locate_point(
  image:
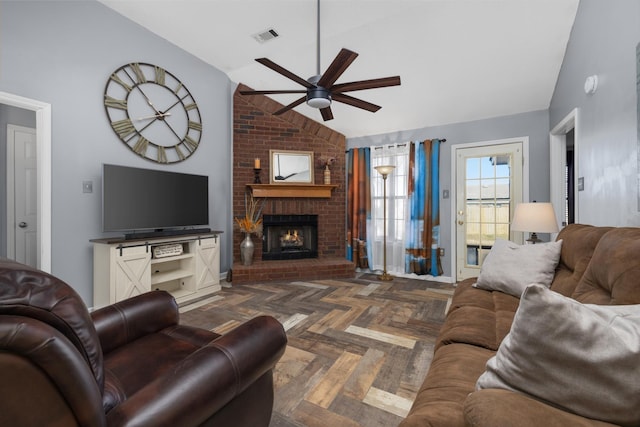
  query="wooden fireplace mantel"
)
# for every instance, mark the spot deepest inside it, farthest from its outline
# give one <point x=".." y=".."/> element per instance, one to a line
<point x="292" y="190"/>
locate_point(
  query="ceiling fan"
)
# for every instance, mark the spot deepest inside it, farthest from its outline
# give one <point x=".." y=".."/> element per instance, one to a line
<point x="321" y="89"/>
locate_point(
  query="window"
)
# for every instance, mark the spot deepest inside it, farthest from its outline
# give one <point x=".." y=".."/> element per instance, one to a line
<point x="397" y="205"/>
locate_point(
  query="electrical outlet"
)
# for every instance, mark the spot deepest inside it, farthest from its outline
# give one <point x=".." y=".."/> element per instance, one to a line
<point x="441" y="251"/>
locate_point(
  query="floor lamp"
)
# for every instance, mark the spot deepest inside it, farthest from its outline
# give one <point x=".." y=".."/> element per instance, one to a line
<point x="384" y="171"/>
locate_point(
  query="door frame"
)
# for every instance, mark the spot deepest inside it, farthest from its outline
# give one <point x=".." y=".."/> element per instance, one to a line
<point x="454" y="196"/>
<point x="43" y="147"/>
<point x="557" y="164"/>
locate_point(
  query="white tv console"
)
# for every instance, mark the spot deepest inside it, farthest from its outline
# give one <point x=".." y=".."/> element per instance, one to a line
<point x="125" y="268"/>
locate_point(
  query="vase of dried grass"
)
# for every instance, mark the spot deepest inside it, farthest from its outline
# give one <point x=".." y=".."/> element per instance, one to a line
<point x="246" y="250"/>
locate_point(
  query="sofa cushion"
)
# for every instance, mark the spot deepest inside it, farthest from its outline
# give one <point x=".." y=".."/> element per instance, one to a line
<point x="510" y="267"/>
<point x="465" y="294"/>
<point x="451" y="377"/>
<point x="613" y="274"/>
<point x="478" y="317"/>
<point x="128" y="369"/>
<point x="578" y="244"/>
<point x="582" y="358"/>
<point x="499" y="408"/>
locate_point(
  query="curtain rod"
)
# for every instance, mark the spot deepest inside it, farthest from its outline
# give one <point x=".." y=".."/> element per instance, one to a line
<point x="378" y="147"/>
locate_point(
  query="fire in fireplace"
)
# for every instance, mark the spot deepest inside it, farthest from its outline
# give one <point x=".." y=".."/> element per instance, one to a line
<point x="289" y="237"/>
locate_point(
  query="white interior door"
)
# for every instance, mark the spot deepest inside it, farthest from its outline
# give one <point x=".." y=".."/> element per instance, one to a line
<point x="42" y="111"/>
<point x="22" y="198"/>
<point x="488" y="186"/>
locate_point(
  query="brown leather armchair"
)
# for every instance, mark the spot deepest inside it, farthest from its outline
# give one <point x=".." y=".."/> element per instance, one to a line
<point x="128" y="364"/>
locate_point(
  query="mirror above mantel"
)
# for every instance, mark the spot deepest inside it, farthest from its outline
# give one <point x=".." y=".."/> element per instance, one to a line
<point x="292" y="190"/>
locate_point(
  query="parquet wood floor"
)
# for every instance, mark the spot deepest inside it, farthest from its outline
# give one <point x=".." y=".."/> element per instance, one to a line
<point x="358" y="348"/>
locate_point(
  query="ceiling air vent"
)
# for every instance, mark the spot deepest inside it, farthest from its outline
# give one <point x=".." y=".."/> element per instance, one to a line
<point x="266" y="35"/>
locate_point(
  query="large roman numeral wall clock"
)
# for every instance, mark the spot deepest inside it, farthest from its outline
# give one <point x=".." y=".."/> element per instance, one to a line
<point x="153" y="113"/>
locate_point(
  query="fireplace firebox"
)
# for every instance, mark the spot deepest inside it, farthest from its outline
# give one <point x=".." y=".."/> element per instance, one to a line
<point x="289" y="237"/>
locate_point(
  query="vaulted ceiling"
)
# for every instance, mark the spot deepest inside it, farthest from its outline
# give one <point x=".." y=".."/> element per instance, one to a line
<point x="459" y="60"/>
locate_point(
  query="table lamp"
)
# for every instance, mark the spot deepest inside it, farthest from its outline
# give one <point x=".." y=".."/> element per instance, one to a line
<point x="534" y="218"/>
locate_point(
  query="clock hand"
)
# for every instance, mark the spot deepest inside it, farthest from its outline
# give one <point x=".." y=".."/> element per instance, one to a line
<point x="148" y="100"/>
<point x="152" y="122"/>
<point x="161" y="117"/>
<point x="166" y="112"/>
<point x="155" y="116"/>
<point x="284" y="178"/>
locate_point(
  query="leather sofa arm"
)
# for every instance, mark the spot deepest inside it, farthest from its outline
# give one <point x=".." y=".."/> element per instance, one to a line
<point x="504" y="408"/>
<point x="130" y="319"/>
<point x="207" y="380"/>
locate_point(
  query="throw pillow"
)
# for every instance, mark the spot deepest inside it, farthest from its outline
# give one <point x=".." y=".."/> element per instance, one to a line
<point x="510" y="267"/>
<point x="581" y="358"/>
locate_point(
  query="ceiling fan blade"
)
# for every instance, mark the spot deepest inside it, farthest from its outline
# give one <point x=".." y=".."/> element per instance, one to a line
<point x="290" y="106"/>
<point x="269" y="92"/>
<point x="355" y="102"/>
<point x="344" y="58"/>
<point x="366" y="84"/>
<point x="327" y="114"/>
<point x="278" y="69"/>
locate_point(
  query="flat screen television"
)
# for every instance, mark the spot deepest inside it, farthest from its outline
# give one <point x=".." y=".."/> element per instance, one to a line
<point x="153" y="202"/>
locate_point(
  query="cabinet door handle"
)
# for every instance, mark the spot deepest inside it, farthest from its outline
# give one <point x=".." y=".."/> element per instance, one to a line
<point x="23" y="225"/>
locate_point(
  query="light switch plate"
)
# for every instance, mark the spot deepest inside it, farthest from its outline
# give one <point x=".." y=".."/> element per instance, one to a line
<point x="581" y="183"/>
<point x="87" y="186"/>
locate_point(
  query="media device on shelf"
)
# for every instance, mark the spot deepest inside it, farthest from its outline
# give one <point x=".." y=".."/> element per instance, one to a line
<point x="146" y="203"/>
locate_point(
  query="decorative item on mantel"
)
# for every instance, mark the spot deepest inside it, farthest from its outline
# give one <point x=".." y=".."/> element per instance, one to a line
<point x="250" y="224"/>
<point x="256" y="171"/>
<point x="324" y="163"/>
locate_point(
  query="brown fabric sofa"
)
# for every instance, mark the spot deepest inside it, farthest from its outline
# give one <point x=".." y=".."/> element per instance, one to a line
<point x="598" y="265"/>
<point x="128" y="364"/>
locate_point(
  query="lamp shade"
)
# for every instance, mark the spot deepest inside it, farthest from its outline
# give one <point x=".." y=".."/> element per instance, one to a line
<point x="385" y="169"/>
<point x="534" y="217"/>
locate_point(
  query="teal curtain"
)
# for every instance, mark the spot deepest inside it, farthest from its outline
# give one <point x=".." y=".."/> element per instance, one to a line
<point x="358" y="205"/>
<point x="423" y="230"/>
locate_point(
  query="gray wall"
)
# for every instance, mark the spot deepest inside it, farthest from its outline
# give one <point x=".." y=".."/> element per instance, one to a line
<point x="534" y="125"/>
<point x="62" y="53"/>
<point x="603" y="42"/>
<point x="9" y="116"/>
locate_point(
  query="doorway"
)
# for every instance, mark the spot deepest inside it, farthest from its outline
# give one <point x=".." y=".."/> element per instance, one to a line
<point x="489" y="181"/>
<point x="43" y="165"/>
<point x="563" y="160"/>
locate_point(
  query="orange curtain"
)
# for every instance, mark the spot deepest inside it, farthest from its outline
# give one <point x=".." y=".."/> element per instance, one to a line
<point x="358" y="204"/>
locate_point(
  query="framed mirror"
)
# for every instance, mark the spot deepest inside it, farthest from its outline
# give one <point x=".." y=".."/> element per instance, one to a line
<point x="290" y="167"/>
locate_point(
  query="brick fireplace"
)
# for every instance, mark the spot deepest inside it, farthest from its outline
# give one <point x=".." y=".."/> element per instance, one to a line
<point x="289" y="237"/>
<point x="256" y="131"/>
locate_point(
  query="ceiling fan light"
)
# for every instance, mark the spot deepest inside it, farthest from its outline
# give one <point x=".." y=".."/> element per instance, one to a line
<point x="319" y="102"/>
<point x="318" y="97"/>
